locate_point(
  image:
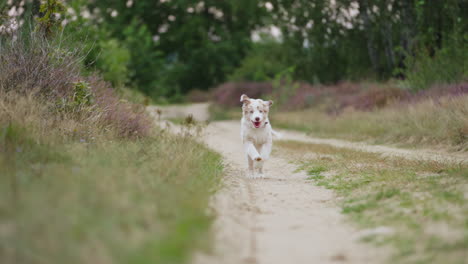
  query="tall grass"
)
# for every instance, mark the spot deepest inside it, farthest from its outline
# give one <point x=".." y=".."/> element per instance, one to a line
<point x="429" y="122"/>
<point x="84" y="176"/>
<point x="33" y="65"/>
<point x="103" y="201"/>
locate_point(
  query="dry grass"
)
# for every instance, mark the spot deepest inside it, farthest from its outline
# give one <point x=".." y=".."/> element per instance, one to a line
<point x="73" y="191"/>
<point x="424" y="204"/>
<point x="442" y="122"/>
<point x="84" y="178"/>
<point x="46" y="69"/>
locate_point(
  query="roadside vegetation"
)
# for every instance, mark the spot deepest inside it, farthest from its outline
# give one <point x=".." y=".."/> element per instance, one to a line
<point x="85" y="176"/>
<point x="432" y="123"/>
<point x="418" y="208"/>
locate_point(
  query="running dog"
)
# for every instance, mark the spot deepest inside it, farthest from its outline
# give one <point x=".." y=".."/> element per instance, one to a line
<point x="256" y="133"/>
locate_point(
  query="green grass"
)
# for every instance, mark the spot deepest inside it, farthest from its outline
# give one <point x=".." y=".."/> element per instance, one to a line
<point x="425" y="203"/>
<point x="77" y="193"/>
<point x="426" y="124"/>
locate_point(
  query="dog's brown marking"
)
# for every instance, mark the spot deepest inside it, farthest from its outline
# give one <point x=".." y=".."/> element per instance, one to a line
<point x="245" y="99"/>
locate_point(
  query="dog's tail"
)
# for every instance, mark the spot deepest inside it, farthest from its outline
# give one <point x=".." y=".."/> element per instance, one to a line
<point x="276" y="135"/>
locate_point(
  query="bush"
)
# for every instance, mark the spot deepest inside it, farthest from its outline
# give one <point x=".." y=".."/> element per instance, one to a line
<point x="33" y="64"/>
<point x="113" y="62"/>
<point x="145" y="62"/>
<point x="44" y="69"/>
<point x="262" y="63"/>
<point x="446" y="66"/>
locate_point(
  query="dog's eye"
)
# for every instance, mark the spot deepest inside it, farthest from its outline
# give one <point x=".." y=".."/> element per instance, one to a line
<point x="261" y="111"/>
<point x="251" y="112"/>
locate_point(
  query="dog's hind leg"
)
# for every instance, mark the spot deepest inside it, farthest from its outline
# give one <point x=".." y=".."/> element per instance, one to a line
<point x="259" y="169"/>
<point x="250" y="169"/>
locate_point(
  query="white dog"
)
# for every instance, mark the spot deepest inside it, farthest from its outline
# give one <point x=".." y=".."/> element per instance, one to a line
<point x="256" y="133"/>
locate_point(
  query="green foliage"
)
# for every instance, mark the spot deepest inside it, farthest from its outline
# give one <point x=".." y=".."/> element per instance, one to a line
<point x="51" y="11"/>
<point x="178" y="46"/>
<point x="145" y="61"/>
<point x="284" y="86"/>
<point x="81" y="99"/>
<point x="195" y="49"/>
<point x="444" y="67"/>
<point x="82" y="94"/>
<point x="316" y="172"/>
<point x="371" y="44"/>
<point x="262" y="63"/>
<point x="113" y="61"/>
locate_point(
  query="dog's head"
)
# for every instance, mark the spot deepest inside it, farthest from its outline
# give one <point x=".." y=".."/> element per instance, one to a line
<point x="255" y="110"/>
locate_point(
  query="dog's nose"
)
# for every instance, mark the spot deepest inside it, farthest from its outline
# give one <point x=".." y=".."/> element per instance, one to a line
<point x="257" y="119"/>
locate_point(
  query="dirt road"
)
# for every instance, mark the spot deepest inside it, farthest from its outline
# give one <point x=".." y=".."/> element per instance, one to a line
<point x="280" y="219"/>
<point x="283" y="218"/>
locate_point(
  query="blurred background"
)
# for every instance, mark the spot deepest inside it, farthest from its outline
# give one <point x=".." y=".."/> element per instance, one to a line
<point x="172" y="51"/>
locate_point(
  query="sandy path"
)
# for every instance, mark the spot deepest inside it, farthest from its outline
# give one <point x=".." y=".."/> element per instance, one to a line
<point x="280" y="219"/>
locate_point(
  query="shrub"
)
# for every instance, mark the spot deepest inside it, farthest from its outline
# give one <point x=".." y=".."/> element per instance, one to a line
<point x="262" y="63"/>
<point x="44" y="69"/>
<point x="113" y="61"/>
<point x="446" y="66"/>
<point x="144" y="61"/>
<point x="33" y="64"/>
<point x="371" y="99"/>
<point x="284" y="86"/>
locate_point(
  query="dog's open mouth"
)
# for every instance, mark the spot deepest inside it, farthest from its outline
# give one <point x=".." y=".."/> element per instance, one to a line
<point x="257" y="124"/>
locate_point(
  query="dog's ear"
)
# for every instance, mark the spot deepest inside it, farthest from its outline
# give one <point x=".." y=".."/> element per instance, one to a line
<point x="269" y="102"/>
<point x="245" y="99"/>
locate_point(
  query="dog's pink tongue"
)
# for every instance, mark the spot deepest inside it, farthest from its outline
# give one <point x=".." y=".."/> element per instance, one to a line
<point x="257" y="124"/>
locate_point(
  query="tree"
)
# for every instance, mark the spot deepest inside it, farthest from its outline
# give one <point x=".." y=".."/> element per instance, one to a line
<point x="201" y="43"/>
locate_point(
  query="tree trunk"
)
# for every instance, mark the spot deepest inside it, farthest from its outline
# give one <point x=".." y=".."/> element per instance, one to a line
<point x="371" y="49"/>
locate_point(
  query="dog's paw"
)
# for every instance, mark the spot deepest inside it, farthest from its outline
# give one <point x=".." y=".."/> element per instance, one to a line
<point x="258" y="159"/>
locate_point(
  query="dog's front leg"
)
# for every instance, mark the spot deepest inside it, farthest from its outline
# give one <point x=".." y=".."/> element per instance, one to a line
<point x="265" y="150"/>
<point x="252" y="151"/>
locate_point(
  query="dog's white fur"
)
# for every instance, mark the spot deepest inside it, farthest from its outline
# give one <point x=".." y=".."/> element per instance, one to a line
<point x="256" y="133"/>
